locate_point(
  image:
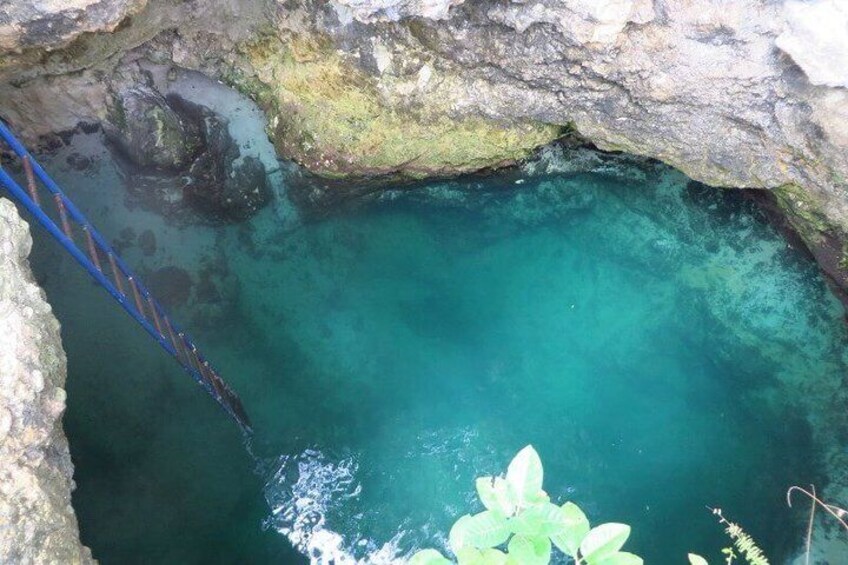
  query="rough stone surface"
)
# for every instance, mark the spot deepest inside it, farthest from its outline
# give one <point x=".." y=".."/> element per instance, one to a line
<point x="53" y="86"/>
<point x="394" y="10"/>
<point x="50" y="24"/>
<point x="720" y="90"/>
<point x="182" y="161"/>
<point x="37" y="522"/>
<point x="150" y="133"/>
<point x="816" y="37"/>
<point x="749" y="93"/>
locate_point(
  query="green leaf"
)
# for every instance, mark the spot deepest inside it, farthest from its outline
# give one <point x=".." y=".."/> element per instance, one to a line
<point x="530" y="550"/>
<point x="604" y="540"/>
<point x="457" y="535"/>
<point x="496" y="494"/>
<point x="542" y="520"/>
<point x="619" y="558"/>
<point x="486" y="529"/>
<point x="493" y="557"/>
<point x="540" y="497"/>
<point x="469" y="556"/>
<point x="576" y="527"/>
<point x="695" y="559"/>
<point x="429" y="557"/>
<point x="524" y="474"/>
<point x="473" y="556"/>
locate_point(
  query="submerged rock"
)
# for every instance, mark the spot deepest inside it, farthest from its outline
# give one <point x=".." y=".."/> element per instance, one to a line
<point x="196" y="166"/>
<point x="147" y="243"/>
<point x="222" y="185"/>
<point x="38" y="523"/>
<point x="150" y="133"/>
<point x="171" y="285"/>
<point x="78" y="162"/>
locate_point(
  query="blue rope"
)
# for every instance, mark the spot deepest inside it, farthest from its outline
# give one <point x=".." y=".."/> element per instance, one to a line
<point x="228" y="400"/>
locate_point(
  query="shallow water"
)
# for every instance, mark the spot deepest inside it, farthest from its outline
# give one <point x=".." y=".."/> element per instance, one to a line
<point x="649" y="336"/>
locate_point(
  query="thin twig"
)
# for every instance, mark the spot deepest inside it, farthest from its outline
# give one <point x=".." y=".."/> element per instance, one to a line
<point x="810" y="526"/>
<point x="834" y="511"/>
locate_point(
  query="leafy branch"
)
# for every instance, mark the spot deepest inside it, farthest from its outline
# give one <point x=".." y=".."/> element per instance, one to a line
<point x="521" y="526"/>
<point x="743" y="542"/>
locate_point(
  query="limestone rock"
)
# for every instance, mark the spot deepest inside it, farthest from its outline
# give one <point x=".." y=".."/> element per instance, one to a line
<point x="394" y="10"/>
<point x="589" y="22"/>
<point x="817" y="40"/>
<point x="747" y="93"/>
<point x="49" y="24"/>
<point x="182" y="160"/>
<point x="37" y="523"/>
<point x="150" y="133"/>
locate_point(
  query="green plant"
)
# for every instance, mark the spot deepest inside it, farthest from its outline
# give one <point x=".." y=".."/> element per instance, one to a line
<point x="520" y="525"/>
<point x="742" y="542"/>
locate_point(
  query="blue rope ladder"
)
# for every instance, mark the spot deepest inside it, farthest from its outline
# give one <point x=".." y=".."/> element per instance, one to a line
<point x="139" y="303"/>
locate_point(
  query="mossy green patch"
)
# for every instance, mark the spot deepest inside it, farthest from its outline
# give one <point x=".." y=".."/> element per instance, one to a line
<point x="328" y="115"/>
<point x="821" y="234"/>
<point x="803" y="211"/>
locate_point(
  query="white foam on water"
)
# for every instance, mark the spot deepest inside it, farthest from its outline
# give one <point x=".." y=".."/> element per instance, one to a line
<point x="303" y="492"/>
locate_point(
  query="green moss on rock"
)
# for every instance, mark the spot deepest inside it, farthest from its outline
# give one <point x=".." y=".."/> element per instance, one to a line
<point x="328" y="115"/>
<point x="804" y="212"/>
<point x="825" y="238"/>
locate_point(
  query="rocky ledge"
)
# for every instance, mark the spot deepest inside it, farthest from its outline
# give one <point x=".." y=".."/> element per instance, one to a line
<point x="38" y="522"/>
<point x="751" y="94"/>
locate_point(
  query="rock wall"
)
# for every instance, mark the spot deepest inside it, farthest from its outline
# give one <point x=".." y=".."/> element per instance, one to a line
<point x="750" y="93"/>
<point x="38" y="522"/>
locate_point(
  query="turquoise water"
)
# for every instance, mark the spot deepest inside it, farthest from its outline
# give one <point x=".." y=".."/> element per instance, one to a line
<point x="655" y="340"/>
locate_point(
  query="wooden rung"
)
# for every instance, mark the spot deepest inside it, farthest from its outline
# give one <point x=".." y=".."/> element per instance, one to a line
<point x="63" y="215"/>
<point x="31" y="186"/>
<point x="116" y="273"/>
<point x="138" y="305"/>
<point x="155" y="315"/>
<point x="92" y="249"/>
<point x="173" y="338"/>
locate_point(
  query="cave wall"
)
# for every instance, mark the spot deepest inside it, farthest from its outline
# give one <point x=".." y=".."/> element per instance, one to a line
<point x="750" y="93"/>
<point x="36" y="474"/>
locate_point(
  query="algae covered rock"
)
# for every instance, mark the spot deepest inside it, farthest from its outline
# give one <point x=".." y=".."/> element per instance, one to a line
<point x="181" y="161"/>
<point x="150" y="133"/>
<point x="330" y="116"/>
<point x="222" y="185"/>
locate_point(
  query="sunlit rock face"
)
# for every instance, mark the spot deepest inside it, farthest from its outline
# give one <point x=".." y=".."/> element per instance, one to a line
<point x="51" y="23"/>
<point x="39" y="525"/>
<point x="711" y="89"/>
<point x="394" y="10"/>
<point x="816" y="37"/>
